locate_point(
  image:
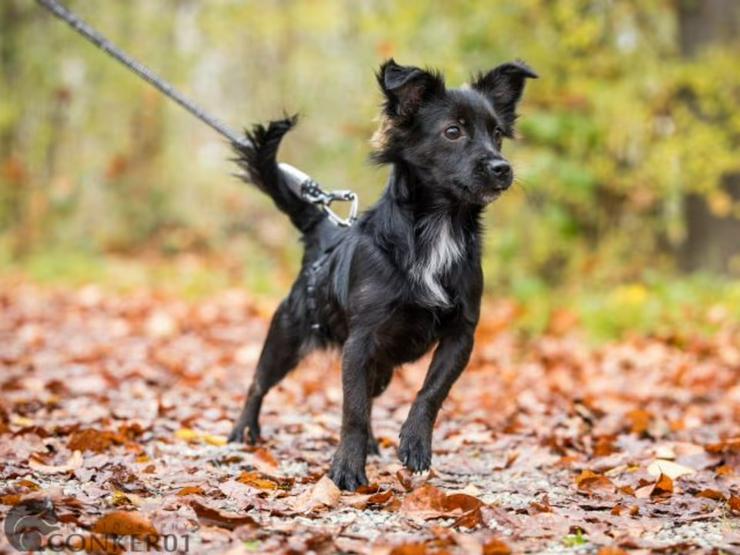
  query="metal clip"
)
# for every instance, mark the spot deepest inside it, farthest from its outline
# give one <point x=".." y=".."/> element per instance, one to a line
<point x="310" y="191"/>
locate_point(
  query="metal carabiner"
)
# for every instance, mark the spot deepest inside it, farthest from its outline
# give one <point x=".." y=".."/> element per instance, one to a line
<point x="310" y="191"/>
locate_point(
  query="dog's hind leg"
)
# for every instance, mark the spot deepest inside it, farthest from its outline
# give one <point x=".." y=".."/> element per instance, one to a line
<point x="280" y="354"/>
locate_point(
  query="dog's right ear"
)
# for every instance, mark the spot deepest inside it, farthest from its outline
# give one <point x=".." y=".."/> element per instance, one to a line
<point x="406" y="88"/>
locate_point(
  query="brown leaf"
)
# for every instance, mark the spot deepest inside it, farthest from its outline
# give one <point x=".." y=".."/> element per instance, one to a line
<point x="730" y="445"/>
<point x="10" y="499"/>
<point x="664" y="486"/>
<point x="611" y="550"/>
<point x="94" y="440"/>
<point x="322" y="494"/>
<point x="470" y="519"/>
<point x="410" y="481"/>
<point x="590" y="481"/>
<point x="713" y="494"/>
<point x="496" y="547"/>
<point x="126" y="523"/>
<point x="190" y="490"/>
<point x="73" y="463"/>
<point x="461" y="501"/>
<point x="425" y="499"/>
<point x="223" y="519"/>
<point x="256" y="480"/>
<point x="640" y="421"/>
<point x="265" y="461"/>
<point x="733" y="503"/>
<point x="409" y="549"/>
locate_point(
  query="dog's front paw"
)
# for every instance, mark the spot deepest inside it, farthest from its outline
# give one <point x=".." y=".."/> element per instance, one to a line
<point x="347" y="472"/>
<point x="238" y="432"/>
<point x="415" y="450"/>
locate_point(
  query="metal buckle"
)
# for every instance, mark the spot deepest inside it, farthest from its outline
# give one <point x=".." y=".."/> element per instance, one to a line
<point x="309" y="190"/>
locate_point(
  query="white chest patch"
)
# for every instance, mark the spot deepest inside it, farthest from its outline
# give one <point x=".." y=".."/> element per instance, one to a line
<point x="442" y="251"/>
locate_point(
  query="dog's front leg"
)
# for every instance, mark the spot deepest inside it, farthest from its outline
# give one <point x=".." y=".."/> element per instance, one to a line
<point x="348" y="466"/>
<point x="450" y="359"/>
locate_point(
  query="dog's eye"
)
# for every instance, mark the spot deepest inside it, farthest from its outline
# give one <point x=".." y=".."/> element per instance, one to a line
<point x="453" y="132"/>
<point x="498" y="138"/>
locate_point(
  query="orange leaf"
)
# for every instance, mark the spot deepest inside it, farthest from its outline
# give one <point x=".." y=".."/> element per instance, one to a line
<point x="590" y="481"/>
<point x="94" y="440"/>
<point x="190" y="490"/>
<point x="734" y="504"/>
<point x="409" y="549"/>
<point x="265" y="460"/>
<point x="639" y="421"/>
<point x="256" y="480"/>
<point x="425" y="498"/>
<point x="664" y="486"/>
<point x="711" y="494"/>
<point x="125" y="523"/>
<point x="223" y="519"/>
<point x="496" y="547"/>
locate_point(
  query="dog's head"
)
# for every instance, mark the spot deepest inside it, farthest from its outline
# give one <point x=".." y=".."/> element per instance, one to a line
<point x="451" y="138"/>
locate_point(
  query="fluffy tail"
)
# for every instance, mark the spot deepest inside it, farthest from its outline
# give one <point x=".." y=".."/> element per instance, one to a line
<point x="260" y="168"/>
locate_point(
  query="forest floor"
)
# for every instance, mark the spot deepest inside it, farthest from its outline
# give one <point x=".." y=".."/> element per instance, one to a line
<point x="114" y="411"/>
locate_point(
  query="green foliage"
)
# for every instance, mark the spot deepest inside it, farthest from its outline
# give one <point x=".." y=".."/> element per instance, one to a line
<point x="575" y="540"/>
<point x="615" y="135"/>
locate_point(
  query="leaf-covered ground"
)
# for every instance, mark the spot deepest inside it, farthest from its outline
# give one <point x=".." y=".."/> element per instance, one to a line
<point x="115" y="408"/>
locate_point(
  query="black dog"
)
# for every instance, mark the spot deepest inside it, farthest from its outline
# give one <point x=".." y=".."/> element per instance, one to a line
<point x="407" y="275"/>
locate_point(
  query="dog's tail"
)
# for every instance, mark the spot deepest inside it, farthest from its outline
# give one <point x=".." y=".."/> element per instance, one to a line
<point x="260" y="168"/>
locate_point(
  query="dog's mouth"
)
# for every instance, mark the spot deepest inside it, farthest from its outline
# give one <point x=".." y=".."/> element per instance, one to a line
<point x="490" y="196"/>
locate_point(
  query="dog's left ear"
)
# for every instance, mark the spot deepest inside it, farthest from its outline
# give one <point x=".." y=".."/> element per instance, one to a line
<point x="406" y="88"/>
<point x="503" y="86"/>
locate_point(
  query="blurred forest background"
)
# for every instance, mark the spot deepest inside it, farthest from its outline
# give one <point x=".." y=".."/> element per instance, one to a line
<point x="627" y="208"/>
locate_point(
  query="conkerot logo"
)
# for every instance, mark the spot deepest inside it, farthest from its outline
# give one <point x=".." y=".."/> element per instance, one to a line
<point x="29" y="522"/>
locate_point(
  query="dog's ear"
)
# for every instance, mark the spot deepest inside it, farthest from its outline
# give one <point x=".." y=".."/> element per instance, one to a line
<point x="503" y="86"/>
<point x="407" y="87"/>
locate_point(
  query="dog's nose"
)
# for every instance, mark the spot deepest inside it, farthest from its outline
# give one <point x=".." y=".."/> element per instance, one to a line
<point x="499" y="169"/>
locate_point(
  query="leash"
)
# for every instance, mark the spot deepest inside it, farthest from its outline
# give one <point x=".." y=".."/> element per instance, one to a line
<point x="302" y="184"/>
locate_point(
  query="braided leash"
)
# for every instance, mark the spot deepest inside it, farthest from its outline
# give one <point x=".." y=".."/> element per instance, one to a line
<point x="301" y="183"/>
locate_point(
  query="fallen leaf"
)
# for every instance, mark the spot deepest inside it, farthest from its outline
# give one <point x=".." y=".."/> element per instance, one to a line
<point x="93" y="440"/>
<point x="664" y="486"/>
<point x="256" y="480"/>
<point x="187" y="434"/>
<point x="496" y="547"/>
<point x="73" y="463"/>
<point x="713" y="494"/>
<point x="590" y="481"/>
<point x="409" y="549"/>
<point x="126" y="523"/>
<point x="668" y="468"/>
<point x="427" y="500"/>
<point x="190" y="490"/>
<point x="640" y="421"/>
<point x="734" y="504"/>
<point x="322" y="494"/>
<point x="210" y="516"/>
<point x="265" y="461"/>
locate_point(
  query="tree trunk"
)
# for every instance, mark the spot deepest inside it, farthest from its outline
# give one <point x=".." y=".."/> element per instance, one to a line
<point x="712" y="242"/>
